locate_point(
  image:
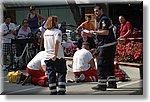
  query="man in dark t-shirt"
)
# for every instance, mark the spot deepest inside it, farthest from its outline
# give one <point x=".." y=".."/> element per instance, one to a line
<point x="85" y="38"/>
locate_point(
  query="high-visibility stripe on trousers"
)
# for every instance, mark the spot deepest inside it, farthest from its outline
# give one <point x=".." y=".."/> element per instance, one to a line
<point x="111" y="79"/>
<point x="53" y="90"/>
<point x="61" y="78"/>
<point x="90" y="74"/>
<point x="102" y="81"/>
<point x="61" y="88"/>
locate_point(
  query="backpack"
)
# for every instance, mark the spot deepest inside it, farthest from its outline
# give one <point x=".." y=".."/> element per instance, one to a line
<point x="12" y="76"/>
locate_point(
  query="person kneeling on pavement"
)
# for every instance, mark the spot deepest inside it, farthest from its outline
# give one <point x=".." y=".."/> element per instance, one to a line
<point x="83" y="65"/>
<point x="36" y="70"/>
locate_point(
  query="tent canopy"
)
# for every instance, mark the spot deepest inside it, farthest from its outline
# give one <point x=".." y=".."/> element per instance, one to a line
<point x="25" y="3"/>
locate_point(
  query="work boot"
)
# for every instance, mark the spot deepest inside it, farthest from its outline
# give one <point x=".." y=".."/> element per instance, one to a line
<point x="112" y="82"/>
<point x="20" y="78"/>
<point x="112" y="85"/>
<point x="27" y="80"/>
<point x="99" y="87"/>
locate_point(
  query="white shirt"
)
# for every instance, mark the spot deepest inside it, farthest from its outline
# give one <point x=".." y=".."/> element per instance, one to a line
<point x="67" y="43"/>
<point x="35" y="63"/>
<point x="5" y="29"/>
<point x="23" y="34"/>
<point x="50" y="37"/>
<point x="42" y="30"/>
<point x="81" y="59"/>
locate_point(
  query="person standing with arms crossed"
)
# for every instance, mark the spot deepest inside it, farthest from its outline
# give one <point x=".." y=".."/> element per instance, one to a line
<point x="55" y="62"/>
<point x="106" y="49"/>
<point x="8" y="32"/>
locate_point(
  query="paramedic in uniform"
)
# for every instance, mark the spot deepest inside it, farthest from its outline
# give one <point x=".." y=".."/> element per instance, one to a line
<point x="106" y="49"/>
<point x="83" y="65"/>
<point x="54" y="54"/>
<point x="35" y="70"/>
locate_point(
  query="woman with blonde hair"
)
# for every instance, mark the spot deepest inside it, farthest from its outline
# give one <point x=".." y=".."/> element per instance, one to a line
<point x="54" y="59"/>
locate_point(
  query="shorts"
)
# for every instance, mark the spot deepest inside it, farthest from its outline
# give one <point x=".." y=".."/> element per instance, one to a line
<point x="6" y="48"/>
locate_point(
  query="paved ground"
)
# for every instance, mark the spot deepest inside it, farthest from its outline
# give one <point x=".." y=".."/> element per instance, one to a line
<point x="133" y="87"/>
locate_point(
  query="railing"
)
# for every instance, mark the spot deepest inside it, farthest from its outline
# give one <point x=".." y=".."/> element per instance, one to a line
<point x="126" y="40"/>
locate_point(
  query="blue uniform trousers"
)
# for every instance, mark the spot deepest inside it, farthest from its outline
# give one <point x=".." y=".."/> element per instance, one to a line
<point x="105" y="64"/>
<point x="61" y="78"/>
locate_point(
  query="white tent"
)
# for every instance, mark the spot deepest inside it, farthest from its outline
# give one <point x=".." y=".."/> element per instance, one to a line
<point x="20" y="3"/>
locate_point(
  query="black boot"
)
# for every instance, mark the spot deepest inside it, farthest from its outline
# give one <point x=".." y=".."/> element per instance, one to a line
<point x="27" y="80"/>
<point x="20" y="78"/>
<point x="112" y="85"/>
<point x="112" y="82"/>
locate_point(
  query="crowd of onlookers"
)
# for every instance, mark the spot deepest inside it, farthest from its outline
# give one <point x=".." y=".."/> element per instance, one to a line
<point x="30" y="28"/>
<point x="27" y="29"/>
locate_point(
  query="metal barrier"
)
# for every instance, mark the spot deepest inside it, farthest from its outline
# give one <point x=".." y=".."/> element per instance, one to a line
<point x="20" y="41"/>
<point x="126" y="40"/>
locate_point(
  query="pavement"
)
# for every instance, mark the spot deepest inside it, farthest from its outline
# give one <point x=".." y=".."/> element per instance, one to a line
<point x="132" y="87"/>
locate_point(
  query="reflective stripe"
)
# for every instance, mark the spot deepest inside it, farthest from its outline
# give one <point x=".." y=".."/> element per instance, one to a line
<point x="62" y="83"/>
<point x="94" y="78"/>
<point x="102" y="83"/>
<point x="109" y="44"/>
<point x="53" y="90"/>
<point x="102" y="80"/>
<point x="111" y="76"/>
<point x="112" y="80"/>
<point x="61" y="89"/>
<point x="52" y="85"/>
<point x="90" y="78"/>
